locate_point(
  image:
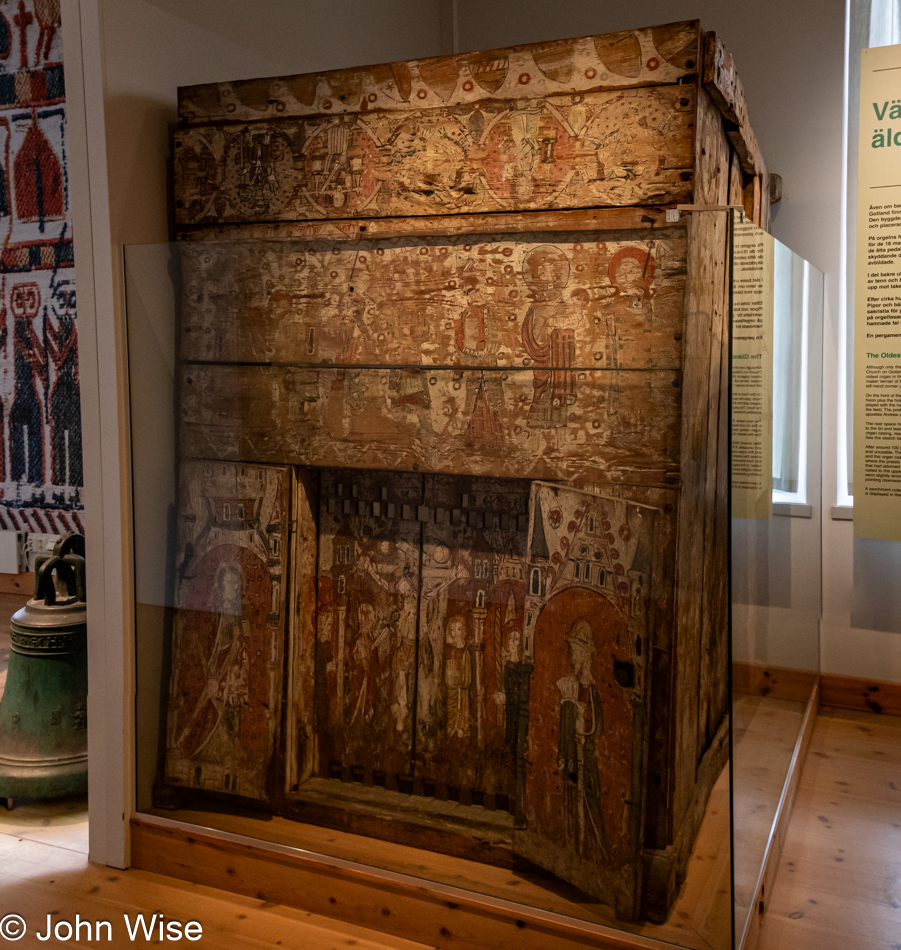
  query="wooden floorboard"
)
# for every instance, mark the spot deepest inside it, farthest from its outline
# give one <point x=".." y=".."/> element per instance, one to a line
<point x="839" y="880"/>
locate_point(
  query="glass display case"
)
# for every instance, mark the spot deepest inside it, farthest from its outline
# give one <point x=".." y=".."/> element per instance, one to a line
<point x="420" y="651"/>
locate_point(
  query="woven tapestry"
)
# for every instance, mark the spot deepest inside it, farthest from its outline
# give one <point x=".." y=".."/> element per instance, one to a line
<point x="40" y="416"/>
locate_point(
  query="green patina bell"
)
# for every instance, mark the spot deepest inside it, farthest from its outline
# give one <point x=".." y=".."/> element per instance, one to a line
<point x="43" y="712"/>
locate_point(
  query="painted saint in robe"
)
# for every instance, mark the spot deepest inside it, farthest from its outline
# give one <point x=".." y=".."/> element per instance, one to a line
<point x="548" y="336"/>
<point x="581" y="722"/>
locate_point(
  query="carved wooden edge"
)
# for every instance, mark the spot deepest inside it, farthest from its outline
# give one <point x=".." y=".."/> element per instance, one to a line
<point x="720" y="79"/>
<point x="748" y="932"/>
<point x="664" y="869"/>
<point x="632" y="218"/>
<point x="777" y="681"/>
<point x="384" y="901"/>
<point x="647" y="56"/>
<point x="854" y="692"/>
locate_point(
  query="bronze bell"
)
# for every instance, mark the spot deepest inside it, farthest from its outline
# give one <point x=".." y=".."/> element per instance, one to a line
<point x="43" y="712"/>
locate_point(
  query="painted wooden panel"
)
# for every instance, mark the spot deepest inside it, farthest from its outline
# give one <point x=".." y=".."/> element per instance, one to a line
<point x="544" y="423"/>
<point x="473" y="300"/>
<point x="470" y="636"/>
<point x="586" y="638"/>
<point x="632" y="146"/>
<point x="644" y="218"/>
<point x="655" y="55"/>
<point x="225" y="689"/>
<point x="300" y="693"/>
<point x="367" y="604"/>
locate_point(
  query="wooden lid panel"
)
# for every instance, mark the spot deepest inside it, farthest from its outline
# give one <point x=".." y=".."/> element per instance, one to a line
<point x="652" y="56"/>
<point x="617" y="148"/>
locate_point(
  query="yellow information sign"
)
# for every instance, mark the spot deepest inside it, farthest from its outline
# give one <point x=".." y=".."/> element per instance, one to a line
<point x="752" y="371"/>
<point x="877" y="317"/>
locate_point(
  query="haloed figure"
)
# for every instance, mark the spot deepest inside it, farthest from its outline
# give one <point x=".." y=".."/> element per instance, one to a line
<point x="549" y="339"/>
<point x="457" y="678"/>
<point x="580" y="723"/>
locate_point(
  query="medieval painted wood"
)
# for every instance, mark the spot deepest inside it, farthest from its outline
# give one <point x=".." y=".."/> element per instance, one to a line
<point x="301" y="598"/>
<point x="229" y="628"/>
<point x="479" y="301"/>
<point x="585" y="641"/>
<point x="624" y="147"/>
<point x="367" y="604"/>
<point x="436" y="286"/>
<point x="550" y="422"/>
<point x="470" y="637"/>
<point x="654" y="56"/>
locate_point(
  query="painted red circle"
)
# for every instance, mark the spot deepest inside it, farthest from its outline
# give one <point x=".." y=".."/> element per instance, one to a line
<point x="421" y="94"/>
<point x="653" y="63"/>
<point x="468" y="86"/>
<point x="372" y="97"/>
<point x="524" y="79"/>
<point x="590" y="73"/>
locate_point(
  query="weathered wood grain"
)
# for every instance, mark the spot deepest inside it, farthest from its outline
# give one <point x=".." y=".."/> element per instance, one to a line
<point x="585" y="641"/>
<point x="628" y="147"/>
<point x="470" y="638"/>
<point x="604" y="426"/>
<point x="650" y="56"/>
<point x="300" y="692"/>
<point x="225" y="689"/>
<point x="722" y="83"/>
<point x="605" y="221"/>
<point x="367" y="605"/>
<point x="479" y="301"/>
<point x="707" y="245"/>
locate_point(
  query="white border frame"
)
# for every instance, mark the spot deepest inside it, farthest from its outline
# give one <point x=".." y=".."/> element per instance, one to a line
<point x="104" y="410"/>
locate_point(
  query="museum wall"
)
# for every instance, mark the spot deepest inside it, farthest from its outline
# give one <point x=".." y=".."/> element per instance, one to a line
<point x="793" y="90"/>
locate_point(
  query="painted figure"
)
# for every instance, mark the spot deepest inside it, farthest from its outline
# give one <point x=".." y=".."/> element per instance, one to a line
<point x="227" y="681"/>
<point x="548" y="336"/>
<point x="457" y="678"/>
<point x="581" y="721"/>
<point x="30" y="366"/>
<point x="61" y="346"/>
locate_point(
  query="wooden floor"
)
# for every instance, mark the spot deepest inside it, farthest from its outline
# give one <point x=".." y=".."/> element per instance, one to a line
<point x="839" y="881"/>
<point x="838" y="888"/>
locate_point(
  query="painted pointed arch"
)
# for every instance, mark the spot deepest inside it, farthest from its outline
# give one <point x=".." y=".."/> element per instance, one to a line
<point x="38" y="180"/>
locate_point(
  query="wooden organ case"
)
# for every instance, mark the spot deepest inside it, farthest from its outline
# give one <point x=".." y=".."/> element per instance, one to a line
<point x="451" y="548"/>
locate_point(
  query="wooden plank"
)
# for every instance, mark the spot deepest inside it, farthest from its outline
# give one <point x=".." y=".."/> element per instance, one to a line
<point x="300" y="717"/>
<point x="432" y="914"/>
<point x="550" y="423"/>
<point x="748" y="932"/>
<point x="628" y="147"/>
<point x="714" y="679"/>
<point x="225" y="687"/>
<point x="20" y="584"/>
<point x="660" y="54"/>
<point x="484" y="301"/>
<point x="776" y="681"/>
<point x="38" y="879"/>
<point x="602" y="220"/>
<point x="585" y="645"/>
<point x="853" y="692"/>
<point x="470" y="638"/>
<point x="724" y="86"/>
<point x="704" y="311"/>
<point x="368" y="600"/>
